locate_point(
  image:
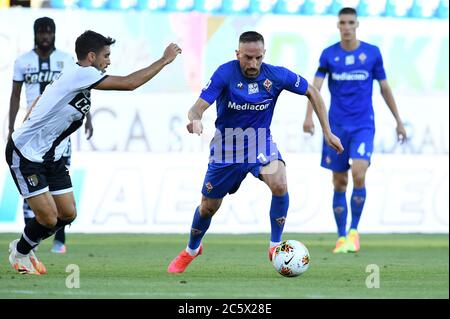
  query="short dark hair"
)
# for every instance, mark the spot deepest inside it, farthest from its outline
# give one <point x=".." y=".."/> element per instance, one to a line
<point x="45" y="24"/>
<point x="91" y="41"/>
<point x="347" y="10"/>
<point x="251" y="36"/>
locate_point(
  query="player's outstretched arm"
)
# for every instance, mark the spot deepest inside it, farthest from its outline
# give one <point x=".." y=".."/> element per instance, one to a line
<point x="195" y="115"/>
<point x="88" y="127"/>
<point x="136" y="79"/>
<point x="388" y="97"/>
<point x="14" y="104"/>
<point x="308" y="124"/>
<point x="318" y="105"/>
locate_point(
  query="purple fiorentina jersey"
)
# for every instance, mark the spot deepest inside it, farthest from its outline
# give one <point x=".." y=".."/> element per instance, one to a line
<point x="350" y="80"/>
<point x="245" y="106"/>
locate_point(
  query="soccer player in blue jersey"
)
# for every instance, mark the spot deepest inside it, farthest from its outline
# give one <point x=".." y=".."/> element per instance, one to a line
<point x="245" y="91"/>
<point x="351" y="65"/>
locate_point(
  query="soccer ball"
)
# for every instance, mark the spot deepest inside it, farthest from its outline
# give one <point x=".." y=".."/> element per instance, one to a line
<point x="291" y="258"/>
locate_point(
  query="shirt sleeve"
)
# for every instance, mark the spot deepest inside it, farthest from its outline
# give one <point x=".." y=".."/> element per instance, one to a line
<point x="88" y="77"/>
<point x="295" y="83"/>
<point x="322" y="70"/>
<point x="378" y="70"/>
<point x="18" y="74"/>
<point x="213" y="88"/>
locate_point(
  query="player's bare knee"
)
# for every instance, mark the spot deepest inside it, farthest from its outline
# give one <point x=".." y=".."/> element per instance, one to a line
<point x="48" y="220"/>
<point x="279" y="188"/>
<point x="340" y="183"/>
<point x="207" y="211"/>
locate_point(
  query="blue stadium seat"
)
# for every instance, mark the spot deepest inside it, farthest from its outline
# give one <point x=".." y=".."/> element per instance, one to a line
<point x="308" y="7"/>
<point x="92" y="4"/>
<point x="180" y="5"/>
<point x="363" y="8"/>
<point x="335" y="7"/>
<point x="208" y="6"/>
<point x="151" y="5"/>
<point x="120" y="4"/>
<point x="416" y="10"/>
<point x="235" y="7"/>
<point x="287" y="6"/>
<point x="442" y="10"/>
<point x="262" y="6"/>
<point x="63" y="4"/>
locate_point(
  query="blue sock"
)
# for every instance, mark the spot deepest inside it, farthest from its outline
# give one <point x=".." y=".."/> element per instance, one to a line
<point x="278" y="213"/>
<point x="199" y="227"/>
<point x="357" y="205"/>
<point x="340" y="212"/>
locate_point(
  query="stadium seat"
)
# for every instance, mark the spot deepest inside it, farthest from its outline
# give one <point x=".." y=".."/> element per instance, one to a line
<point x="235" y="7"/>
<point x="442" y="10"/>
<point x="179" y="5"/>
<point x="92" y="4"/>
<point x="151" y="5"/>
<point x="120" y="4"/>
<point x="208" y="6"/>
<point x="288" y="6"/>
<point x="262" y="6"/>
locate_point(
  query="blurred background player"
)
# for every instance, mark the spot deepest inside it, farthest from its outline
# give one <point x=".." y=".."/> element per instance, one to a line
<point x="351" y="65"/>
<point x="37" y="68"/>
<point x="245" y="91"/>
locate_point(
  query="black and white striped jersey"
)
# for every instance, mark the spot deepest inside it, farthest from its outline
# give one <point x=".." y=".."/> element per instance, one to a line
<point x="36" y="73"/>
<point x="58" y="113"/>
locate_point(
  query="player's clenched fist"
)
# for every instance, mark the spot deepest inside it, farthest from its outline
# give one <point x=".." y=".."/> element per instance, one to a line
<point x="171" y="52"/>
<point x="195" y="127"/>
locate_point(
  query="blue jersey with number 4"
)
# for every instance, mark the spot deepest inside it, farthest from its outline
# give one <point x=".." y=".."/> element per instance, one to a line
<point x="245" y="106"/>
<point x="350" y="81"/>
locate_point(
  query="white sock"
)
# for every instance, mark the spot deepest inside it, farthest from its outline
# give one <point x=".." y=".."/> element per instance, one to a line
<point x="273" y="244"/>
<point x="192" y="252"/>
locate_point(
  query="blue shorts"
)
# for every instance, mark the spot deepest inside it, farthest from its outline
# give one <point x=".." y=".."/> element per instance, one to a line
<point x="357" y="143"/>
<point x="225" y="178"/>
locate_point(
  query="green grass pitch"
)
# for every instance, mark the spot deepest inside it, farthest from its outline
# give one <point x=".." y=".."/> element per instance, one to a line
<point x="232" y="266"/>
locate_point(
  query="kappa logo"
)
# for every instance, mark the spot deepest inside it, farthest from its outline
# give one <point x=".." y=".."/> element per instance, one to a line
<point x="209" y="187"/>
<point x="328" y="160"/>
<point x="280" y="221"/>
<point x="33" y="180"/>
<point x="268" y="85"/>
<point x="338" y="210"/>
<point x="240" y="85"/>
<point x="195" y="232"/>
<point x="253" y="88"/>
<point x="207" y="85"/>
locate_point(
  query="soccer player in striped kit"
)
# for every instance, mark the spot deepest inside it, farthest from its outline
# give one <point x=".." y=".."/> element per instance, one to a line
<point x="34" y="152"/>
<point x="37" y="68"/>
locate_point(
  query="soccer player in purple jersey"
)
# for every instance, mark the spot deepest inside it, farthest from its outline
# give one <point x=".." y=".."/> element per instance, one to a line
<point x="245" y="91"/>
<point x="351" y="65"/>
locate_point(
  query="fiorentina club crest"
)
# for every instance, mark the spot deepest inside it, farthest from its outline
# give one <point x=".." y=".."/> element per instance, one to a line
<point x="195" y="232"/>
<point x="281" y="221"/>
<point x="268" y="85"/>
<point x="208" y="187"/>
